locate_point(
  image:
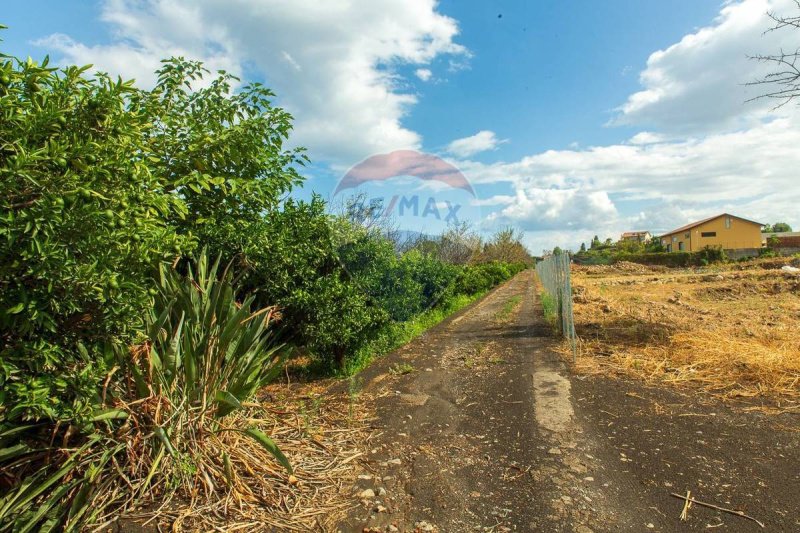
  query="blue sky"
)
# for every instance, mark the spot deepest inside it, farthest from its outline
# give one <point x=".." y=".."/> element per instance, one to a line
<point x="569" y="118"/>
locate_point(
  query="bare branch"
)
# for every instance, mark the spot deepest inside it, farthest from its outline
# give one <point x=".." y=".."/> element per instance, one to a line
<point x="785" y="80"/>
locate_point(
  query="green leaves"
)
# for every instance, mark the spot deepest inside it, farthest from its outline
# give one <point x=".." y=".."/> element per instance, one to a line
<point x="103" y="187"/>
<point x="226" y="403"/>
<point x="270" y="446"/>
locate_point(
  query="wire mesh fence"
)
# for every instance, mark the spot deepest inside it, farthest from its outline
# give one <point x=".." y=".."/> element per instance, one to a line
<point x="554" y="274"/>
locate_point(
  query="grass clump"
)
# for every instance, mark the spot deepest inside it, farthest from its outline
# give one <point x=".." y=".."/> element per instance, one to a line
<point x="508" y="308"/>
<point x="401" y="369"/>
<point x="550" y="308"/>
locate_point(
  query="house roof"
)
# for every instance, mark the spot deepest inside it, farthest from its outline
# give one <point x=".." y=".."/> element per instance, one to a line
<point x="709" y="219"/>
<point x="634" y="233"/>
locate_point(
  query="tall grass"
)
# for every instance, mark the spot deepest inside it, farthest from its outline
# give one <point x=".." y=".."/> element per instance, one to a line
<point x="550" y="308"/>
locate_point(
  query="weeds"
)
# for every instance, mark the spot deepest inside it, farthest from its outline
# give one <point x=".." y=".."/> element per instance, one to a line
<point x="401" y="369"/>
<point x="509" y="307"/>
<point x="398" y="334"/>
<point x="550" y="308"/>
<point x="354" y="385"/>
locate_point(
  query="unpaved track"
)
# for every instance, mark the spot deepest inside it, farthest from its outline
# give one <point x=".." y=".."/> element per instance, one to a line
<point x="489" y="432"/>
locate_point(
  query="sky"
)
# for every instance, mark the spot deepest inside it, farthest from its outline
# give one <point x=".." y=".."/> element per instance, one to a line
<point x="569" y="119"/>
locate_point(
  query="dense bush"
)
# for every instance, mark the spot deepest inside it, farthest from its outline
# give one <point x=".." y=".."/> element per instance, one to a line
<point x="100" y="183"/>
<point x="483" y="276"/>
<point x="289" y="258"/>
<point x="83" y="228"/>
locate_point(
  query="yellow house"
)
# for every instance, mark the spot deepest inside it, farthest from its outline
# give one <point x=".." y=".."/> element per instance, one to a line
<point x="726" y="231"/>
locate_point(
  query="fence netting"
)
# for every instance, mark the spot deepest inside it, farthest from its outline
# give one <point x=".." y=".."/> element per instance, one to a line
<point x="554" y="275"/>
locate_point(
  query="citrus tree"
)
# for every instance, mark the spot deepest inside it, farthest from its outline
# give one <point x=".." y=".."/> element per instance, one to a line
<point x="84" y="223"/>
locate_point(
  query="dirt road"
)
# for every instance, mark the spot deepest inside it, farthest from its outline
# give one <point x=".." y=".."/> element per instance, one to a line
<point x="480" y="427"/>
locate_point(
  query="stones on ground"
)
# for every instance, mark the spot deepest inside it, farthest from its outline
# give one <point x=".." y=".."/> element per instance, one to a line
<point x="414" y="399"/>
<point x="394" y="462"/>
<point x="364" y="476"/>
<point x="554" y="451"/>
<point x="392" y="528"/>
<point x="583" y="529"/>
<point x="366" y="494"/>
<point x="381" y="492"/>
<point x="422" y="525"/>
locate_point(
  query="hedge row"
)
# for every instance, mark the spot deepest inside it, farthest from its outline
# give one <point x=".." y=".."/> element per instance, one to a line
<point x="675" y="259"/>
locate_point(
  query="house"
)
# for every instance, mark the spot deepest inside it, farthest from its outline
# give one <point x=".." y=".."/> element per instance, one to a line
<point x="638" y="236"/>
<point x="724" y="231"/>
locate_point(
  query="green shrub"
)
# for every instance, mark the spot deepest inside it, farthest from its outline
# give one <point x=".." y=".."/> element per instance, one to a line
<point x="702" y="257"/>
<point x="288" y="258"/>
<point x="549" y="308"/>
<point x="472" y="280"/>
<point x="83" y="228"/>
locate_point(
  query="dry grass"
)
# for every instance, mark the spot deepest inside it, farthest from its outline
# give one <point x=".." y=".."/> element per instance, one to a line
<point x="730" y="331"/>
<point x="321" y="437"/>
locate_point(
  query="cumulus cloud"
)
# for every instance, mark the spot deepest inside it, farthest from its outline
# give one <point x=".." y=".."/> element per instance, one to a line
<point x="480" y="142"/>
<point x="545" y="209"/>
<point x="423" y="73"/>
<point x="332" y="64"/>
<point x="698" y="85"/>
<point x="748" y="167"/>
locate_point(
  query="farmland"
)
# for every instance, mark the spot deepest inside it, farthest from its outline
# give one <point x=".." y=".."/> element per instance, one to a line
<point x="728" y="330"/>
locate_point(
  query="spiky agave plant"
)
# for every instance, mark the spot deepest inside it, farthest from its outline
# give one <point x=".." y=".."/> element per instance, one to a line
<point x="206" y="355"/>
<point x="166" y="416"/>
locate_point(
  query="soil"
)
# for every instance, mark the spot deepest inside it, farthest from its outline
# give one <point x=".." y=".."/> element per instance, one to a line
<point x="481" y="427"/>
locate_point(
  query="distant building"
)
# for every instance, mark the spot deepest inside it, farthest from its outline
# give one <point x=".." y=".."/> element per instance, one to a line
<point x="639" y="236"/>
<point x="726" y="231"/>
<point x="786" y="239"/>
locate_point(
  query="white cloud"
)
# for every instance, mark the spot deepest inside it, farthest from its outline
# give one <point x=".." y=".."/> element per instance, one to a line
<point x="480" y="142"/>
<point x="536" y="208"/>
<point x="423" y="73"/>
<point x="331" y="63"/>
<point x="698" y="85"/>
<point x="646" y="137"/>
<point x="753" y="173"/>
<point x="717" y="167"/>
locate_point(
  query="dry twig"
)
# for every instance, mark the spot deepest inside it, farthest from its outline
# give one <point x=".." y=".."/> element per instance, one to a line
<point x="687" y="499"/>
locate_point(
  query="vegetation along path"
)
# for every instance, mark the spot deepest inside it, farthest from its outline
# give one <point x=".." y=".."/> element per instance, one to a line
<point x="480" y="427"/>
